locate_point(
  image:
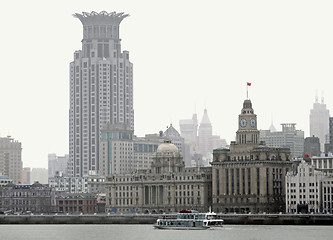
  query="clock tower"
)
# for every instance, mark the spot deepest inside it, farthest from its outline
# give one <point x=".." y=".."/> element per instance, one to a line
<point x="247" y="125"/>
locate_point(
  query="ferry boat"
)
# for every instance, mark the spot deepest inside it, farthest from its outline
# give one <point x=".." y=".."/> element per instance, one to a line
<point x="190" y="220"/>
<point x="213" y="220"/>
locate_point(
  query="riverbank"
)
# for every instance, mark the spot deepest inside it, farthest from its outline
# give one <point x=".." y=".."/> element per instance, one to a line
<point x="235" y="219"/>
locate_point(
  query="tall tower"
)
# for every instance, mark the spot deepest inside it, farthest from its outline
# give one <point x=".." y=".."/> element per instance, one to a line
<point x="205" y="136"/>
<point x="11" y="159"/>
<point x="247" y="129"/>
<point x="319" y="121"/>
<point x="101" y="89"/>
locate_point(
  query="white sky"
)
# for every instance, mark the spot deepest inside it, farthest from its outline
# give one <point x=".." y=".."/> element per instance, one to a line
<point x="187" y="55"/>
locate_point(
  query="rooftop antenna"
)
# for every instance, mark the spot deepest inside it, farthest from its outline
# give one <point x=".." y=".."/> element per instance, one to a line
<point x="316" y="96"/>
<point x="322" y="97"/>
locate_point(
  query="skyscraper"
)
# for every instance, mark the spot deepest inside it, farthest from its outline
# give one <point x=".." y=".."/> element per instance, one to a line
<point x="101" y="89"/>
<point x="205" y="136"/>
<point x="10" y="159"/>
<point x="319" y="121"/>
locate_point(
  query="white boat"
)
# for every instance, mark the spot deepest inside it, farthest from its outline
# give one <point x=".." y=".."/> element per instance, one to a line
<point x="213" y="220"/>
<point x="190" y="220"/>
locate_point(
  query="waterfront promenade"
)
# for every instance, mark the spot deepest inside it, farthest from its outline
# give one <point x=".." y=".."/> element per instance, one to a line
<point x="248" y="219"/>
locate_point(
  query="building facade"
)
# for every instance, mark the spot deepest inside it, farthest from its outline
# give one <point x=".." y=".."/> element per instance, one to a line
<point x="249" y="176"/>
<point x="11" y="159"/>
<point x="76" y="203"/>
<point x="323" y="163"/>
<point x="289" y="137"/>
<point x="91" y="184"/>
<point x="122" y="152"/>
<point x="329" y="144"/>
<point x="319" y="116"/>
<point x="35" y="198"/>
<point x="57" y="165"/>
<point x="303" y="189"/>
<point x="167" y="186"/>
<point x="101" y="89"/>
<point x="312" y="146"/>
<point x="327" y="194"/>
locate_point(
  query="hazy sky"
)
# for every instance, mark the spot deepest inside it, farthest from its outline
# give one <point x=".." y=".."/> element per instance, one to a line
<point x="187" y="55"/>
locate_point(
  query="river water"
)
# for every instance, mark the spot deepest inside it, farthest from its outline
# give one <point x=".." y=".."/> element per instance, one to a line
<point x="147" y="232"/>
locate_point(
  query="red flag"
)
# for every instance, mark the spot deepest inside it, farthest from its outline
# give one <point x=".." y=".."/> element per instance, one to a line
<point x="170" y="159"/>
<point x="248" y="83"/>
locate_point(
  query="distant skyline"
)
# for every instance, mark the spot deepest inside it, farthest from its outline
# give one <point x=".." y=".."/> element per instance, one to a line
<point x="187" y="56"/>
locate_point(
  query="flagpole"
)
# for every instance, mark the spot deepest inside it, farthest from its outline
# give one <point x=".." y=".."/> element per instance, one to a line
<point x="247" y="91"/>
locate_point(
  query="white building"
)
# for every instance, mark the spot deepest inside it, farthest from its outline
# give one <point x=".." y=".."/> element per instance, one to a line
<point x="91" y="184"/>
<point x="303" y="189"/>
<point x="101" y="89"/>
<point x="323" y="163"/>
<point x="327" y="194"/>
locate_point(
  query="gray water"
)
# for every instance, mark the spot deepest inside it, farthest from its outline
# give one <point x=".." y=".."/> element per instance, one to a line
<point x="146" y="232"/>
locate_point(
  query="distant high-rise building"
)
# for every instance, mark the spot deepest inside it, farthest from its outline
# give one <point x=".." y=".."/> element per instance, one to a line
<point x="189" y="131"/>
<point x="205" y="136"/>
<point x="26" y="175"/>
<point x="329" y="144"/>
<point x="198" y="142"/>
<point x="289" y="137"/>
<point x="57" y="165"/>
<point x="122" y="152"/>
<point x="10" y="158"/>
<point x="101" y="89"/>
<point x="319" y="117"/>
<point x="312" y="146"/>
<point x="39" y="175"/>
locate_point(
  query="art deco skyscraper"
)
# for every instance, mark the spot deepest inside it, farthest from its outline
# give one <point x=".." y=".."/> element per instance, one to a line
<point x="101" y="89"/>
<point x="205" y="136"/>
<point x="319" y="121"/>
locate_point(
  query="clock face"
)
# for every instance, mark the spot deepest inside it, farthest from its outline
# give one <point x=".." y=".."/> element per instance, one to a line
<point x="243" y="122"/>
<point x="253" y="122"/>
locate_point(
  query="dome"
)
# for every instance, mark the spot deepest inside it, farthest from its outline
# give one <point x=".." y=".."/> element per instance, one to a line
<point x="167" y="146"/>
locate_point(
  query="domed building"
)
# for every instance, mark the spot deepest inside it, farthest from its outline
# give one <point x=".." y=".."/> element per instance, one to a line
<point x="167" y="186"/>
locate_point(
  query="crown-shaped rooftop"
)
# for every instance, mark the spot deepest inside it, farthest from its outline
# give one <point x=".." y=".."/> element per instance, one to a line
<point x="102" y="18"/>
